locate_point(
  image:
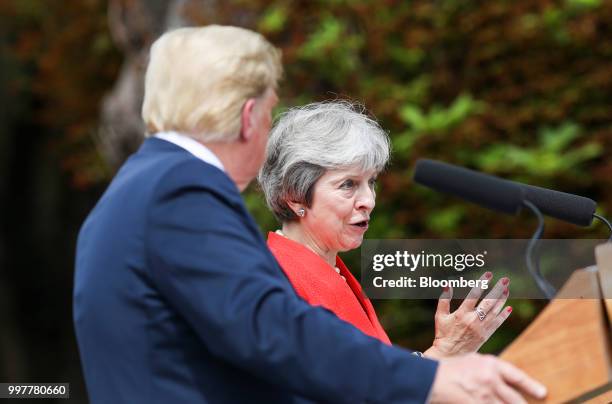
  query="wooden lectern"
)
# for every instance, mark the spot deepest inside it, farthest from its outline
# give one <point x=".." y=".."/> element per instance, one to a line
<point x="568" y="346"/>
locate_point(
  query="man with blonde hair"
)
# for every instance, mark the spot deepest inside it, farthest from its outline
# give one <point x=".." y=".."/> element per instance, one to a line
<point x="177" y="298"/>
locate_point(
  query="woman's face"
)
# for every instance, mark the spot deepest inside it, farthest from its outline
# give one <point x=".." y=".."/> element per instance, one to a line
<point x="340" y="210"/>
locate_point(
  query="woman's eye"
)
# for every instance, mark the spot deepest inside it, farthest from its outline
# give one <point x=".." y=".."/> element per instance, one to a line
<point x="347" y="184"/>
<point x="372" y="182"/>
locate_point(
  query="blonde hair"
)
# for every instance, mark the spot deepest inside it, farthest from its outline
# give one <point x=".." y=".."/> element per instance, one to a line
<point x="198" y="79"/>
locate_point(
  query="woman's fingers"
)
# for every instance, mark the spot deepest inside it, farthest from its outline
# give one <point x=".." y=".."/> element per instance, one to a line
<point x="496" y="291"/>
<point x="492" y="304"/>
<point x="444" y="301"/>
<point x="468" y="328"/>
<point x="499" y="303"/>
<point x="497" y="321"/>
<point x="472" y="298"/>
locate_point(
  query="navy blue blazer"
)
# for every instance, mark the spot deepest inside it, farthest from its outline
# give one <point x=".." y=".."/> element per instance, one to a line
<point x="177" y="299"/>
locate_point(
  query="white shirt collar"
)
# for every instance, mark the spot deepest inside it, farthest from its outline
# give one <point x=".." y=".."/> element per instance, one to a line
<point x="192" y="146"/>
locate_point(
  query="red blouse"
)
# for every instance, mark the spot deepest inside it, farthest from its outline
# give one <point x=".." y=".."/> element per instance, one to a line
<point x="320" y="285"/>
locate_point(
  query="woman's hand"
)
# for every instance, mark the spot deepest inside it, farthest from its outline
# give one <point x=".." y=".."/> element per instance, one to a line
<point x="471" y="325"/>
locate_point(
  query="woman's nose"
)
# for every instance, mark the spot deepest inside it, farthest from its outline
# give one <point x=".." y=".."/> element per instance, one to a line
<point x="366" y="199"/>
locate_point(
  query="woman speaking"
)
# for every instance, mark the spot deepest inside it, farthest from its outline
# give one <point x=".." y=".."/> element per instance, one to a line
<point x="319" y="181"/>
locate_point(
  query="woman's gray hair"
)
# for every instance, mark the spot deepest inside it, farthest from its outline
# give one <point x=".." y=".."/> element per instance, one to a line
<point x="310" y="140"/>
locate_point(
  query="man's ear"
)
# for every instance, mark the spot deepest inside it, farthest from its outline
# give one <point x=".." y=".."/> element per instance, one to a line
<point x="247" y="120"/>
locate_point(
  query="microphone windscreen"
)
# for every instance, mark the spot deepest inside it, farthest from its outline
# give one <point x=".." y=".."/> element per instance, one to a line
<point x="569" y="207"/>
<point x="482" y="189"/>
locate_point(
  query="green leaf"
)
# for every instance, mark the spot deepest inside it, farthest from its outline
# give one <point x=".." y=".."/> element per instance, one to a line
<point x="556" y="139"/>
<point x="583" y="4"/>
<point x="439" y="118"/>
<point x="447" y="220"/>
<point x="274" y="19"/>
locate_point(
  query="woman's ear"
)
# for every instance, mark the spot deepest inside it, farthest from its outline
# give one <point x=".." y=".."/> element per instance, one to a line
<point x="296" y="207"/>
<point x="247" y="120"/>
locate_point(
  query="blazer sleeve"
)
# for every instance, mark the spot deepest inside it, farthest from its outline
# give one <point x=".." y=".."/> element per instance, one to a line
<point x="206" y="262"/>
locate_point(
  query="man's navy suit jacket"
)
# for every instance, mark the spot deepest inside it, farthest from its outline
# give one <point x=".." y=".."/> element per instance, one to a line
<point x="178" y="300"/>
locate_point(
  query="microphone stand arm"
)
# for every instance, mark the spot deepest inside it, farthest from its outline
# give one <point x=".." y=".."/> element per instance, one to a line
<point x="603" y="219"/>
<point x="533" y="265"/>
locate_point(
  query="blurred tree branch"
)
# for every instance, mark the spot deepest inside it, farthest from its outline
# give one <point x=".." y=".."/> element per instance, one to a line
<point x="134" y="25"/>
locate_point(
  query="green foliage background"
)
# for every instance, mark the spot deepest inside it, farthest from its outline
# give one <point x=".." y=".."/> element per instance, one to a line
<point x="520" y="89"/>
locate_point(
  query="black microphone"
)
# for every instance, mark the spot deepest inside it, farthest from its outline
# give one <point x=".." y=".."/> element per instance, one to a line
<point x="508" y="196"/>
<point x="572" y="208"/>
<point x="501" y="195"/>
<point x="482" y="189"/>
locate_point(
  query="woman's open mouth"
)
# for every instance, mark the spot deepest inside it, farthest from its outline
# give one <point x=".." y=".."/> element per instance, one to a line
<point x="363" y="224"/>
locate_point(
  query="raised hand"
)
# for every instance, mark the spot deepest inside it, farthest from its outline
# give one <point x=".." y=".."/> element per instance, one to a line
<point x="470" y="326"/>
